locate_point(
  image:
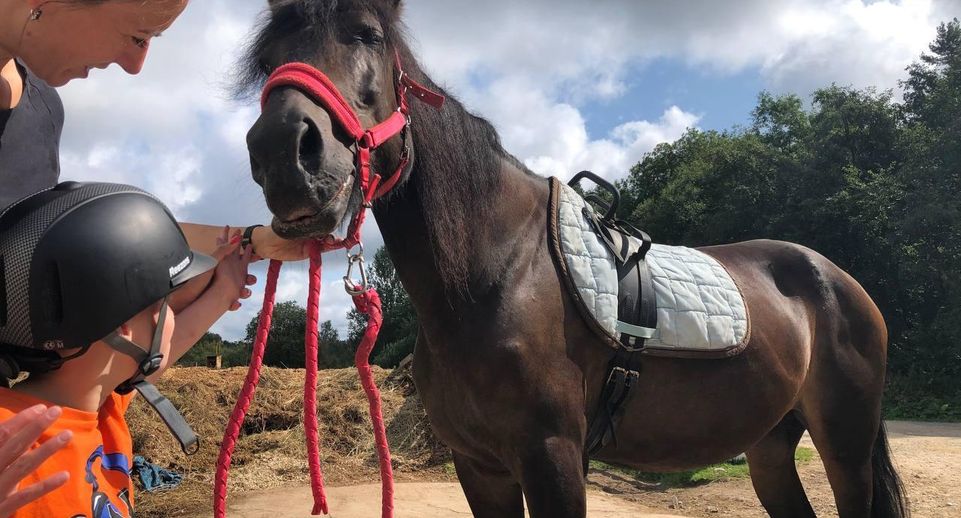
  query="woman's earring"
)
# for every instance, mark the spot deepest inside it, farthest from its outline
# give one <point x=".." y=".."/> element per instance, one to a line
<point x="35" y="14"/>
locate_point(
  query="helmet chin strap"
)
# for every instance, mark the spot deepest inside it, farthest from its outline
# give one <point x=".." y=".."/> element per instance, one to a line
<point x="148" y="363"/>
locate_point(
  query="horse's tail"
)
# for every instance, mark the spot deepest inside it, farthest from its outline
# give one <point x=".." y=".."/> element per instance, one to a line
<point x="890" y="500"/>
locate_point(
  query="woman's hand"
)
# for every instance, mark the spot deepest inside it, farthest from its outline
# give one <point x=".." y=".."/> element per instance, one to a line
<point x="17" y="434"/>
<point x="268" y="245"/>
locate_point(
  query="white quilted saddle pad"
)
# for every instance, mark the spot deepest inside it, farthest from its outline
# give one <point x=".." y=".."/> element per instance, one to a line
<point x="699" y="307"/>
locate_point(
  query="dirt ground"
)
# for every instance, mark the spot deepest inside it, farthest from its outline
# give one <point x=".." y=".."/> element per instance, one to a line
<point x="411" y="500"/>
<point x="269" y="473"/>
<point x="928" y="456"/>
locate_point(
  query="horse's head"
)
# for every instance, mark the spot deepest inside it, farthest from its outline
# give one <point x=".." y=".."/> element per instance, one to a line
<point x="301" y="157"/>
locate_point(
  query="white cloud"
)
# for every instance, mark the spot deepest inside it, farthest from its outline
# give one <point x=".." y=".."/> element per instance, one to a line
<point x="533" y="68"/>
<point x="590" y="43"/>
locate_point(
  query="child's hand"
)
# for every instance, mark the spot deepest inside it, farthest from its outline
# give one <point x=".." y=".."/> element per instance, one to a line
<point x="227" y="243"/>
<point x="16" y="436"/>
<point x="231" y="277"/>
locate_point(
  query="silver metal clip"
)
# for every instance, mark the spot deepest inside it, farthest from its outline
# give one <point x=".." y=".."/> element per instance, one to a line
<point x="357" y="259"/>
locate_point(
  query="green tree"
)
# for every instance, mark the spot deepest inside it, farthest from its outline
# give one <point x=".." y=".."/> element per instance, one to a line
<point x="285" y="343"/>
<point x="930" y="228"/>
<point x="235" y="354"/>
<point x="334" y="352"/>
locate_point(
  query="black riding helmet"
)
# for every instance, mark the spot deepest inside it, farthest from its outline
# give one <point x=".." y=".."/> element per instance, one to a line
<point x="79" y="260"/>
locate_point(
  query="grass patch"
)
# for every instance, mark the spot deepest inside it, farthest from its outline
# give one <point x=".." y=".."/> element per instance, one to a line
<point x="713" y="473"/>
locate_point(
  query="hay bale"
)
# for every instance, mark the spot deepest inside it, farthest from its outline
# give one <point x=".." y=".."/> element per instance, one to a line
<point x="271" y="449"/>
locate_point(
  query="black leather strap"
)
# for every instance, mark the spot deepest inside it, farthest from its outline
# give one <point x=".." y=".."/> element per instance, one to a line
<point x="248" y="236"/>
<point x="623" y="372"/>
<point x="171" y="417"/>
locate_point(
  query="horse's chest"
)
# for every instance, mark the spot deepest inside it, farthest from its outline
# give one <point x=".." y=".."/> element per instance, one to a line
<point x="471" y="403"/>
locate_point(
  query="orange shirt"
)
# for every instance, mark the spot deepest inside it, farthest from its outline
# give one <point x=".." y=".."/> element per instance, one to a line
<point x="99" y="458"/>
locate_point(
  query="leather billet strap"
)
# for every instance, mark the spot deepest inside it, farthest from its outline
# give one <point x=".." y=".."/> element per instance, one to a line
<point x="622" y="375"/>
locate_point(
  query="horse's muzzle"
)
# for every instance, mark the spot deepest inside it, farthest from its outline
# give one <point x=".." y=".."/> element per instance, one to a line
<point x="306" y="190"/>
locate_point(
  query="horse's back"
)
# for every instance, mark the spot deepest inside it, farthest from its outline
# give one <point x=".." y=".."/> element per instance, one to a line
<point x="795" y="271"/>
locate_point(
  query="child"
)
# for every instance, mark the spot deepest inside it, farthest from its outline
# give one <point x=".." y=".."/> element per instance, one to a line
<point x="86" y="273"/>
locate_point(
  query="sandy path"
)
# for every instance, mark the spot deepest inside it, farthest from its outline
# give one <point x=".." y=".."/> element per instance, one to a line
<point x="411" y="500"/>
<point x="927" y="455"/>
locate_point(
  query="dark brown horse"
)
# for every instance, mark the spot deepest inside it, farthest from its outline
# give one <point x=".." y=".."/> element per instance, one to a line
<point x="508" y="370"/>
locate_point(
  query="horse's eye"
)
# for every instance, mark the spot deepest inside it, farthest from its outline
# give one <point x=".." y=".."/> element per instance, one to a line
<point x="368" y="36"/>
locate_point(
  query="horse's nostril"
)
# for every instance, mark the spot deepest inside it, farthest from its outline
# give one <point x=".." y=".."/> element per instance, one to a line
<point x="309" y="148"/>
<point x="256" y="171"/>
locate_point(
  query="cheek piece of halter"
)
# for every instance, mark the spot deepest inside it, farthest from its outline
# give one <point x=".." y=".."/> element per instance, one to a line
<point x="313" y="82"/>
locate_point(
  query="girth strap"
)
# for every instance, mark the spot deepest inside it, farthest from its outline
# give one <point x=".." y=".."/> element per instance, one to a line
<point x="636" y="311"/>
<point x="623" y="373"/>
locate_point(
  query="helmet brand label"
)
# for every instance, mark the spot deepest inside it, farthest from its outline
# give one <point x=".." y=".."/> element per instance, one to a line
<point x="181" y="266"/>
<point x="52" y="345"/>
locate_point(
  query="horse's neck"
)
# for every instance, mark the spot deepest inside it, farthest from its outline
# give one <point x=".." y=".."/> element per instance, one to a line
<point x="403" y="224"/>
<point x="450" y="229"/>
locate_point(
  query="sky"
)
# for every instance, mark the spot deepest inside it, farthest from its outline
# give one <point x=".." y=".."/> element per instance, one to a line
<point x="569" y="85"/>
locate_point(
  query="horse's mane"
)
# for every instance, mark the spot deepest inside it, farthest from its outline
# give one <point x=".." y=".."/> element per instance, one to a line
<point x="458" y="155"/>
<point x="456" y="175"/>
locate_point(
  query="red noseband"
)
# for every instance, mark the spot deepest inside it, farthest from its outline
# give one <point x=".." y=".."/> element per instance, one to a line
<point x="321" y="89"/>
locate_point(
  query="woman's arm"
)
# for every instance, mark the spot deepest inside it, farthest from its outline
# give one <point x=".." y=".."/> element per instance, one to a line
<point x="267" y="244"/>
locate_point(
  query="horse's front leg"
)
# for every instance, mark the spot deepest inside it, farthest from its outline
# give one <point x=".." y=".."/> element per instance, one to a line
<point x="552" y="476"/>
<point x="490" y="489"/>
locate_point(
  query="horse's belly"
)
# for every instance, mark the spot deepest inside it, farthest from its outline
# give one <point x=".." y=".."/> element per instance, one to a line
<point x="690" y="413"/>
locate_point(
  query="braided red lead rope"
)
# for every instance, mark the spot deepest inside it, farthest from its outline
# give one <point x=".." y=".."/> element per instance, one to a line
<point x="246" y="394"/>
<point x="310" y="384"/>
<point x="368" y="303"/>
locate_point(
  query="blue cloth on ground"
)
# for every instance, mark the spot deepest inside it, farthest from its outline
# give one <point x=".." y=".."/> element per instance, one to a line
<point x="153" y="477"/>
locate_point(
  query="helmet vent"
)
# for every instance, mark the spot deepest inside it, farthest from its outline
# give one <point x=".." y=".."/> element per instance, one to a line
<point x="51" y="299"/>
<point x="3" y="293"/>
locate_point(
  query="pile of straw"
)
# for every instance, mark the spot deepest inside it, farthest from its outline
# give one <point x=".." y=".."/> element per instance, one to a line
<point x="271" y="450"/>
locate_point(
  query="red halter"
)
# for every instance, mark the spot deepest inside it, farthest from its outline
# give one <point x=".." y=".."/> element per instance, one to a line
<point x="310" y="80"/>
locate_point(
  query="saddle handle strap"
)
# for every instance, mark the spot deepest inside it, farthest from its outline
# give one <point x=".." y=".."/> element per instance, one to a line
<point x="610" y="209"/>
